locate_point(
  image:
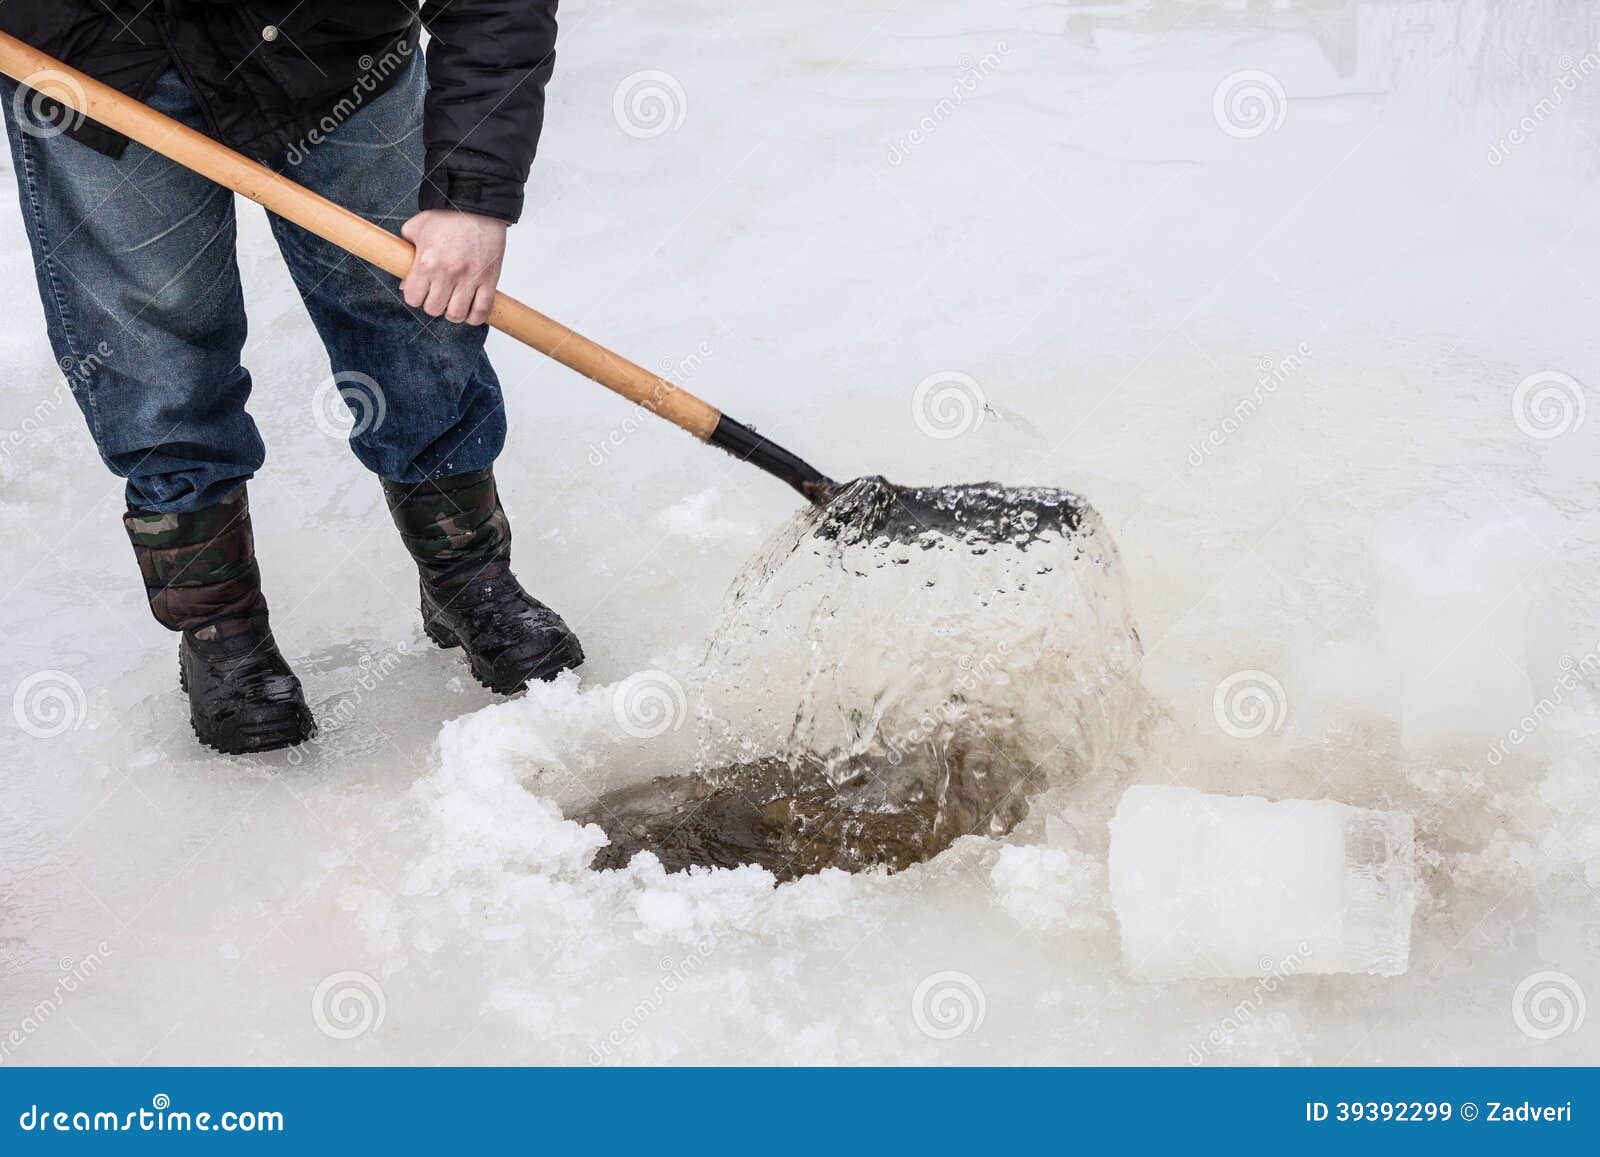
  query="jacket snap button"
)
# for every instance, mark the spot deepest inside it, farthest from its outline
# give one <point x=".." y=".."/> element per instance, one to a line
<point x="270" y="32"/>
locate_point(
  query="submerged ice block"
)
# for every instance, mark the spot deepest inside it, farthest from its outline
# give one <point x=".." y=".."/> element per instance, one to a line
<point x="1217" y="886"/>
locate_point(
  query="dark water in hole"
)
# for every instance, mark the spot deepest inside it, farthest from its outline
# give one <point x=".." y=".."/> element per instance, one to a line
<point x="794" y="824"/>
<point x="896" y="670"/>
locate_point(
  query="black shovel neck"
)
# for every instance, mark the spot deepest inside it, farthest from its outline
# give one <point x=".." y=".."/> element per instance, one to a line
<point x="744" y="443"/>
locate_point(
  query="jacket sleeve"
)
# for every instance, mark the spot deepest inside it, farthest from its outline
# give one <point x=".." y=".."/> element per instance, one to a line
<point x="488" y="63"/>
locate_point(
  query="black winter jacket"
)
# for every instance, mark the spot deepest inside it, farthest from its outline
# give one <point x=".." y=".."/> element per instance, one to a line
<point x="276" y="76"/>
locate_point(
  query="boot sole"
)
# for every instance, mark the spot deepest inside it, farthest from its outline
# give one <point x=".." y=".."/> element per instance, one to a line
<point x="561" y="658"/>
<point x="296" y="726"/>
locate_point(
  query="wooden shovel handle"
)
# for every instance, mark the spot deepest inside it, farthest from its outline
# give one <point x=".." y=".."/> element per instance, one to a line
<point x="193" y="150"/>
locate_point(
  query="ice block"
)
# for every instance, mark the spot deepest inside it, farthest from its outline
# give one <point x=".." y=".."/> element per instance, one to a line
<point x="1225" y="886"/>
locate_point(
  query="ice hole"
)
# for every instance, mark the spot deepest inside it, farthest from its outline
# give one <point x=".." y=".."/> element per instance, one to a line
<point x="894" y="671"/>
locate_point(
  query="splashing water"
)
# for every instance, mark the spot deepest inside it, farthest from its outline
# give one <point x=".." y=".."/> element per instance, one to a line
<point x="897" y="669"/>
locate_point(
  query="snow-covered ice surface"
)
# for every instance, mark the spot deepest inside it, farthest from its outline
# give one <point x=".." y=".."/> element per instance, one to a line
<point x="1300" y="295"/>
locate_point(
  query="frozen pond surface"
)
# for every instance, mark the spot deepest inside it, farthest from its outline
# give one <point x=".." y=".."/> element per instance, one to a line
<point x="1301" y="296"/>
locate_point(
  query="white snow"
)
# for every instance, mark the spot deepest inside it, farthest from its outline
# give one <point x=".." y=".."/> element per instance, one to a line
<point x="1282" y="360"/>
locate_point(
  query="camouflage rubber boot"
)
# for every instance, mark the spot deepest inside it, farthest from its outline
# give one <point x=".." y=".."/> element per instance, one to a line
<point x="457" y="532"/>
<point x="201" y="578"/>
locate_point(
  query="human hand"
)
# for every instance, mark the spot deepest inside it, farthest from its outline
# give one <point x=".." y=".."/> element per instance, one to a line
<point x="457" y="266"/>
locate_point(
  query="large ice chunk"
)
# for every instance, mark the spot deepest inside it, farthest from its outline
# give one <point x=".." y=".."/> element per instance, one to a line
<point x="1215" y="885"/>
<point x="1454" y="594"/>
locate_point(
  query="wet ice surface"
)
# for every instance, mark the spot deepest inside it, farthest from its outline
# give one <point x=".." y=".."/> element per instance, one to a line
<point x="1284" y="367"/>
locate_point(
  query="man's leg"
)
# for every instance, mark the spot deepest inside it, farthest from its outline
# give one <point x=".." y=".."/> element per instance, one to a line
<point x="425" y="399"/>
<point x="135" y="263"/>
<point x="428" y="414"/>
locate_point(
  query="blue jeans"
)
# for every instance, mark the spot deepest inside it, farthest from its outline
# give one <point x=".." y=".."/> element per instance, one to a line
<point x="140" y="285"/>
